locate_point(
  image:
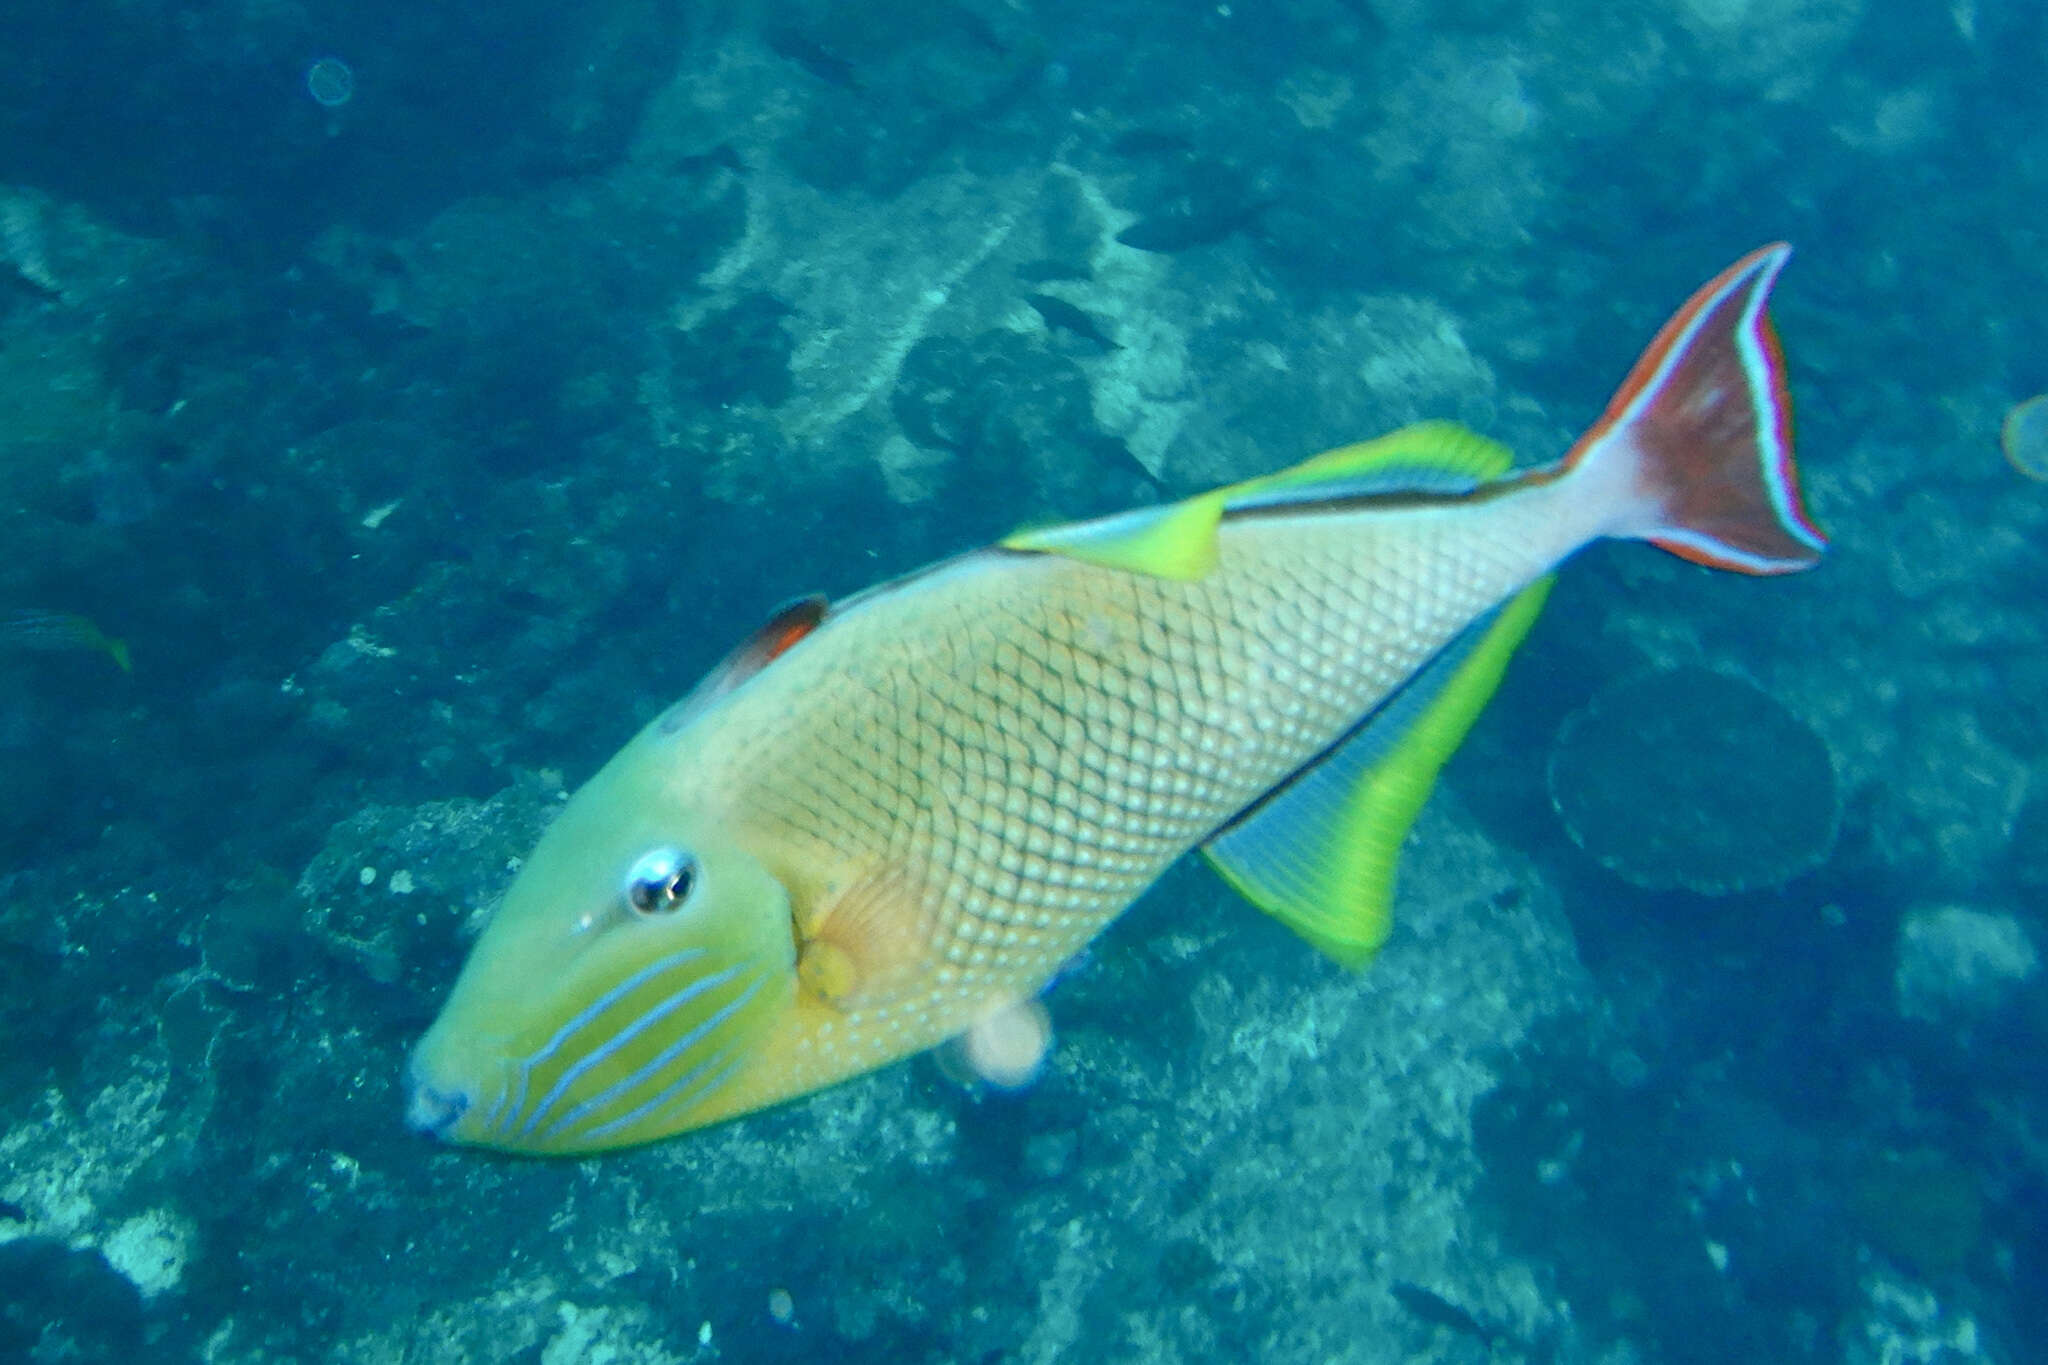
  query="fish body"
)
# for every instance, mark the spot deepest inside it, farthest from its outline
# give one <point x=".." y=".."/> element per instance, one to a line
<point x="1061" y="316"/>
<point x="1191" y="223"/>
<point x="880" y="825"/>
<point x="1436" y="1310"/>
<point x="724" y="156"/>
<point x="813" y="56"/>
<point x="31" y="630"/>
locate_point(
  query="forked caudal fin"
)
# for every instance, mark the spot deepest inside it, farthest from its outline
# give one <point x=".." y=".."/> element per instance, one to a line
<point x="1698" y="440"/>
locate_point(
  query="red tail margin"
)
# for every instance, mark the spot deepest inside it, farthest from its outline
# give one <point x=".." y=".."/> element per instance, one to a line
<point x="1705" y="422"/>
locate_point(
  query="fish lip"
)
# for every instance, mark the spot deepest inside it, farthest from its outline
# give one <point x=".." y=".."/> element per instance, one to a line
<point x="430" y="1110"/>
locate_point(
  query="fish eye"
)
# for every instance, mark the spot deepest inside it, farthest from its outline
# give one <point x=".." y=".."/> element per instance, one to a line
<point x="660" y="881"/>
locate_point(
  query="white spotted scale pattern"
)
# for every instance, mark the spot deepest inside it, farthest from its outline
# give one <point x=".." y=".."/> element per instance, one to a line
<point x="968" y="774"/>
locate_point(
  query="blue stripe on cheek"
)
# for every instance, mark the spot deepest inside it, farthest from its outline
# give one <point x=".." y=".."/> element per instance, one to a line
<point x="661" y="1009"/>
<point x="681" y="1088"/>
<point x="687" y="1089"/>
<point x="604" y="1002"/>
<point x="511" y="1102"/>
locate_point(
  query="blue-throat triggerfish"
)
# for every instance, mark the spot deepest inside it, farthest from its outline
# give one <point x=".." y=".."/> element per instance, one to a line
<point x="888" y="823"/>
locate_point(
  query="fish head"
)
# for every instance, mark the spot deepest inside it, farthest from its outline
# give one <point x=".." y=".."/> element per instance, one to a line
<point x="629" y="973"/>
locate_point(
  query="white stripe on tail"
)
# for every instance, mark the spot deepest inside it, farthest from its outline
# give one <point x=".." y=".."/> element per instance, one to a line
<point x="1695" y="448"/>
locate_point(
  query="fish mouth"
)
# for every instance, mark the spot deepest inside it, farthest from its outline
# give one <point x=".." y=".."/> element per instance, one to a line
<point x="432" y="1110"/>
<point x="628" y="1065"/>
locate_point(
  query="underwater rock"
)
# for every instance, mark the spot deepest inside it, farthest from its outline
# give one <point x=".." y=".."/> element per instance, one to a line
<point x="1019" y="423"/>
<point x="24" y="238"/>
<point x="886" y="91"/>
<point x="391" y="887"/>
<point x="2027" y="839"/>
<point x="740" y="352"/>
<point x="1919" y="1208"/>
<point x="1778" y="46"/>
<point x="57" y="1303"/>
<point x="1957" y="964"/>
<point x="1690" y="779"/>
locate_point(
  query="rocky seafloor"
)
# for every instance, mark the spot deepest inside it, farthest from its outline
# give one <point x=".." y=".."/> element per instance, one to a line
<point x="422" y="444"/>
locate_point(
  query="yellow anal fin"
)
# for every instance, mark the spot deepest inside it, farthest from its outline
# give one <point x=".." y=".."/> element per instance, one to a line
<point x="1178" y="540"/>
<point x="1319" y="852"/>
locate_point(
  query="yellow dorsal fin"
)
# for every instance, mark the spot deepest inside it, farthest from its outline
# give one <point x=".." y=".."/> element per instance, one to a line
<point x="1178" y="540"/>
<point x="1428" y="457"/>
<point x="1318" y="854"/>
<point x="1175" y="541"/>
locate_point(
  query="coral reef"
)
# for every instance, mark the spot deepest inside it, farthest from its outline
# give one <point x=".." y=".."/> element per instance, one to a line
<point x="1689" y="778"/>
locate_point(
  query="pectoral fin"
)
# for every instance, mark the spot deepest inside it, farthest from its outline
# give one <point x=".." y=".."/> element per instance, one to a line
<point x="1319" y="851"/>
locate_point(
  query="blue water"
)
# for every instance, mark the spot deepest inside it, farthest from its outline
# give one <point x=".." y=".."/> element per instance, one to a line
<point x="423" y="442"/>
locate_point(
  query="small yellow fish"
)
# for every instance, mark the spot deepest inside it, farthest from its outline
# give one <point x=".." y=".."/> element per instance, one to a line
<point x="887" y="824"/>
<point x="56" y="632"/>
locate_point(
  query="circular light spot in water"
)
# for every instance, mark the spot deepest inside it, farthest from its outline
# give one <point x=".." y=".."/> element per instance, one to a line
<point x="781" y="1308"/>
<point x="2024" y="437"/>
<point x="331" y="82"/>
